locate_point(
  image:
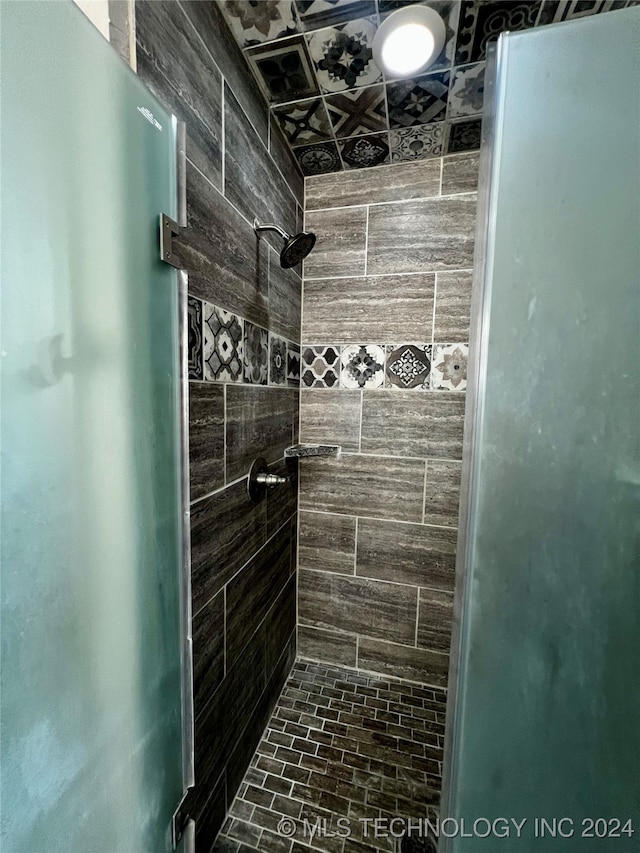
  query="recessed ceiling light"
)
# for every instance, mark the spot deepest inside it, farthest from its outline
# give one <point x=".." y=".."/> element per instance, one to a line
<point x="408" y="41"/>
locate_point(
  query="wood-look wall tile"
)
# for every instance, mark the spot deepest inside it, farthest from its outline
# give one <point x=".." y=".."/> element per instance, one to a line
<point x="285" y="299"/>
<point x="210" y="26"/>
<point x="340" y="248"/>
<point x="453" y="307"/>
<point x="226" y="530"/>
<point x="423" y="665"/>
<point x="209" y="813"/>
<point x="460" y="173"/>
<point x="327" y="542"/>
<point x="251" y="181"/>
<point x="363" y="485"/>
<point x="421" y="236"/>
<point x="247" y="738"/>
<point x="357" y="605"/>
<point x="330" y="416"/>
<point x="182" y="75"/>
<point x="226" y="262"/>
<point x="253" y="591"/>
<point x="208" y="650"/>
<point x="206" y="437"/>
<point x="418" y="179"/>
<point x="287" y="163"/>
<point x="326" y="646"/>
<point x="435" y="618"/>
<point x="235" y="700"/>
<point x="282" y="501"/>
<point x="406" y="553"/>
<point x="259" y="423"/>
<point x="410" y="423"/>
<point x="280" y="624"/>
<point x="442" y="495"/>
<point x="383" y="308"/>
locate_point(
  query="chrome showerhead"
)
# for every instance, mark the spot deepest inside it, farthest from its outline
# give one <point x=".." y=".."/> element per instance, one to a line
<point x="296" y="246"/>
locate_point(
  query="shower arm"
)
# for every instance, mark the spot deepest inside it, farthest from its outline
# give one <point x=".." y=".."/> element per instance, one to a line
<point x="258" y="228"/>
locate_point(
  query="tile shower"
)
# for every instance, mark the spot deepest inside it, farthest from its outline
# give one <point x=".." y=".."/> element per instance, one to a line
<point x="368" y="353"/>
<point x="385" y="337"/>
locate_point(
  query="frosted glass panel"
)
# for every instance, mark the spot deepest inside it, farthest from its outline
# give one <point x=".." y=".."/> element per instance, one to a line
<point x="91" y="545"/>
<point x="548" y="709"/>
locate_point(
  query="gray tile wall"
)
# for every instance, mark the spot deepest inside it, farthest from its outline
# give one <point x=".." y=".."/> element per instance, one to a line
<point x="243" y="555"/>
<point x="378" y="525"/>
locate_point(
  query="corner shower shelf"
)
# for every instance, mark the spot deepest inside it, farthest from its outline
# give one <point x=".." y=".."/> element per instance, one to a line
<point x="303" y="450"/>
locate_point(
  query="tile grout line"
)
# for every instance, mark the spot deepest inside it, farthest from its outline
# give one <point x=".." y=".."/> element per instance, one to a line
<point x="355" y="549"/>
<point x="424" y="491"/>
<point x="441" y="174"/>
<point x="223" y="125"/>
<point x="415" y="642"/>
<point x="435" y="197"/>
<point x="366" y="241"/>
<point x="390" y="275"/>
<point x="345" y="576"/>
<point x="225" y="433"/>
<point x="433" y="321"/>
<point x="224" y="628"/>
<point x="361" y="407"/>
<point x="384" y="519"/>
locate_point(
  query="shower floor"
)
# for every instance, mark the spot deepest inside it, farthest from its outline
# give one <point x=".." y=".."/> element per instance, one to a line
<point x="346" y="745"/>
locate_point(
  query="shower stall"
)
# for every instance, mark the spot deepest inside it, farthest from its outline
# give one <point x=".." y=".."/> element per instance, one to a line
<point x="167" y="642"/>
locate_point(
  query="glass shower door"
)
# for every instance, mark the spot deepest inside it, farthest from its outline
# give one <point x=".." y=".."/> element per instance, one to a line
<point x="91" y="705"/>
<point x="547" y="698"/>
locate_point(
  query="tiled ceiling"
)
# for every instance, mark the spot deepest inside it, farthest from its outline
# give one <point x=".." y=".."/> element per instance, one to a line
<point x="314" y="64"/>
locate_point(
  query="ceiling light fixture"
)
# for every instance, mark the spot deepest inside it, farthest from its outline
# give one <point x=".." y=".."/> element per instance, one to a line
<point x="408" y="41"/>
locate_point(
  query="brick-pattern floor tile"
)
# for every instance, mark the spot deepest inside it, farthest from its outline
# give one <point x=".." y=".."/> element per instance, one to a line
<point x="340" y="745"/>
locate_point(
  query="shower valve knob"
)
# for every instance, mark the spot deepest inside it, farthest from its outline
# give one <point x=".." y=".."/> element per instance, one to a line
<point x="270" y="480"/>
<point x="260" y="480"/>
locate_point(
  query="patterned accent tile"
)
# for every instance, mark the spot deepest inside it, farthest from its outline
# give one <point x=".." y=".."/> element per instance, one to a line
<point x="361" y="151"/>
<point x="358" y="111"/>
<point x="343" y="57"/>
<point x="318" y="159"/>
<point x="284" y="69"/>
<point x="449" y="367"/>
<point x="418" y="101"/>
<point x="466" y="94"/>
<point x="194" y="321"/>
<point x="464" y="136"/>
<point x="253" y="23"/>
<point x="256" y="354"/>
<point x="554" y="11"/>
<point x="223" y="345"/>
<point x="320" y="366"/>
<point x="304" y="121"/>
<point x="481" y="23"/>
<point x="419" y="142"/>
<point x="408" y="366"/>
<point x="316" y="14"/>
<point x="293" y="365"/>
<point x="449" y="11"/>
<point x="277" y="360"/>
<point x="362" y="366"/>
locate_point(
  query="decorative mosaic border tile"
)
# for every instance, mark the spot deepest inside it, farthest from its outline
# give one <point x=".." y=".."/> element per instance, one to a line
<point x="411" y="366"/>
<point x="225" y="347"/>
